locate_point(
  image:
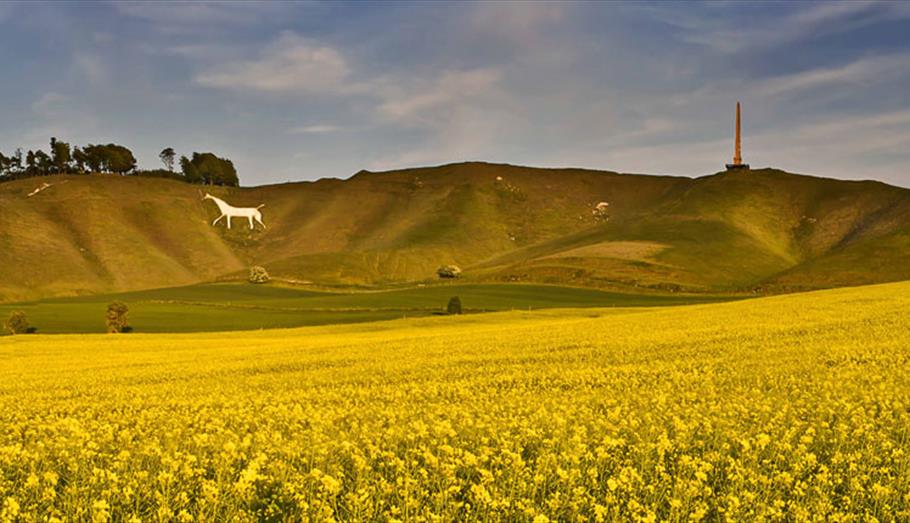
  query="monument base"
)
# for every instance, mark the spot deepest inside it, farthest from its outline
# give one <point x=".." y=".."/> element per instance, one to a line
<point x="737" y="166"/>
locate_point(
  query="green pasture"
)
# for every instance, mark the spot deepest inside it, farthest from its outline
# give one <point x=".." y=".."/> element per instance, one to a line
<point x="243" y="306"/>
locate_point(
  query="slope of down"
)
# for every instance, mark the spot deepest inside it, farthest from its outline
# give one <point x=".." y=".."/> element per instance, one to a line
<point x="728" y="232"/>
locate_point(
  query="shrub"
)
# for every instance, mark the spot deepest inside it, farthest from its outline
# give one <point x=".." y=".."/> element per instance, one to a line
<point x="17" y="323"/>
<point x="117" y="317"/>
<point x="258" y="274"/>
<point x="454" y="306"/>
<point x="448" y="271"/>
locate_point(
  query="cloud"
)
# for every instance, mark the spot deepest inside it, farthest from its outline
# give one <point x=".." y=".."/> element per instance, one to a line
<point x="208" y="52"/>
<point x="314" y="129"/>
<point x="454" y="115"/>
<point x="91" y="68"/>
<point x="430" y="101"/>
<point x="201" y="16"/>
<point x="102" y="38"/>
<point x="291" y="64"/>
<point x="852" y="147"/>
<point x="848" y="136"/>
<point x="50" y="104"/>
<point x="59" y="115"/>
<point x="848" y="146"/>
<point x="519" y="22"/>
<point x="867" y="70"/>
<point x="724" y="33"/>
<point x="295" y="65"/>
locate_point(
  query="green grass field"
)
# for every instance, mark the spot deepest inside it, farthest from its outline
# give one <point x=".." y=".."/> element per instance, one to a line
<point x="243" y="306"/>
<point x="791" y="408"/>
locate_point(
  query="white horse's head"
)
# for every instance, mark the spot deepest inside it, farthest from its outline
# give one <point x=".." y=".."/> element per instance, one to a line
<point x="209" y="197"/>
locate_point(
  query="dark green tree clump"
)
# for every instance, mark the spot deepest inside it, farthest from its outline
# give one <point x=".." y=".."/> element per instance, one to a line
<point x="454" y="306"/>
<point x="202" y="168"/>
<point x="117" y="317"/>
<point x="208" y="169"/>
<point x="110" y="158"/>
<point x="17" y="323"/>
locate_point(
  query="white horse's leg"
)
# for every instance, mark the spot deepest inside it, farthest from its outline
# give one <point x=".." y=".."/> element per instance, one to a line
<point x="259" y="219"/>
<point x="251" y="221"/>
<point x="229" y="221"/>
<point x="216" y="220"/>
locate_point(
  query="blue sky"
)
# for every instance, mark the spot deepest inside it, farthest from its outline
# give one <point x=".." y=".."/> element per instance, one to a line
<point x="297" y="91"/>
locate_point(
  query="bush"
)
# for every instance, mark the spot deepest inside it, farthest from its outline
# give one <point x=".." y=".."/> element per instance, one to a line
<point x="448" y="271"/>
<point x="17" y="323"/>
<point x="117" y="317"/>
<point x="454" y="306"/>
<point x="258" y="274"/>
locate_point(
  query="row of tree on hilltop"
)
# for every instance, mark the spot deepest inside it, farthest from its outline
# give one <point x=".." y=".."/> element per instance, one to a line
<point x="62" y="158"/>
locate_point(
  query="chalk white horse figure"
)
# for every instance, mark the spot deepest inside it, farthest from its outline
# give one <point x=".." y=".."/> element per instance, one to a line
<point x="228" y="211"/>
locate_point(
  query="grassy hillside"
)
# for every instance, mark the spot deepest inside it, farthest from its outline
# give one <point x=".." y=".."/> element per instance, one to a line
<point x="762" y="229"/>
<point x="243" y="306"/>
<point x="775" y="409"/>
<point x="91" y="234"/>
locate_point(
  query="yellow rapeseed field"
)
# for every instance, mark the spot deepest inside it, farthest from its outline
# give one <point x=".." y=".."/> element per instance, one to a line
<point x="789" y="408"/>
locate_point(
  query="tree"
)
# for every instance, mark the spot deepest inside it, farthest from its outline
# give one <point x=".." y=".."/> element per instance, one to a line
<point x="17" y="323"/>
<point x="258" y="275"/>
<point x="213" y="170"/>
<point x="80" y="158"/>
<point x="167" y="158"/>
<point x="60" y="155"/>
<point x="30" y="169"/>
<point x="190" y="173"/>
<point x="43" y="163"/>
<point x="93" y="156"/>
<point x="229" y="173"/>
<point x="110" y="158"/>
<point x="454" y="306"/>
<point x="16" y="166"/>
<point x="4" y="164"/>
<point x="117" y="317"/>
<point x="120" y="160"/>
<point x="64" y="158"/>
<point x="10" y="166"/>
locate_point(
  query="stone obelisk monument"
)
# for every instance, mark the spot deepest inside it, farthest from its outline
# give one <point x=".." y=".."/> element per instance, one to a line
<point x="737" y="150"/>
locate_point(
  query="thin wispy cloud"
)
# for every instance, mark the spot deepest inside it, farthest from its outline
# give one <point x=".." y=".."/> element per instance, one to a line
<point x="58" y="115"/>
<point x="516" y="25"/>
<point x="50" y="104"/>
<point x="863" y="145"/>
<point x="91" y="68"/>
<point x="315" y="129"/>
<point x="867" y="70"/>
<point x="722" y="31"/>
<point x="201" y="16"/>
<point x="431" y="101"/>
<point x="290" y="64"/>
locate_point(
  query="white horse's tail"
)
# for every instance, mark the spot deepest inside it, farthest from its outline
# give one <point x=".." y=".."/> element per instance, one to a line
<point x="260" y="206"/>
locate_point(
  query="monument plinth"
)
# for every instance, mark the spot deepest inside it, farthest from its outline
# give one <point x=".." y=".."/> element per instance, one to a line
<point x="737" y="151"/>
